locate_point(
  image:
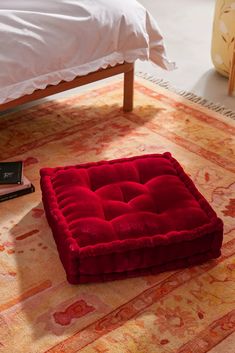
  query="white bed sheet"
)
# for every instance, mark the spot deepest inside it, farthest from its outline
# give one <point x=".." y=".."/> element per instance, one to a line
<point x="43" y="42"/>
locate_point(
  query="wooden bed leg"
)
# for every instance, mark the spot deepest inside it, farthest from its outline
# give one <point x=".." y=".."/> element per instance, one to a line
<point x="231" y="82"/>
<point x="128" y="90"/>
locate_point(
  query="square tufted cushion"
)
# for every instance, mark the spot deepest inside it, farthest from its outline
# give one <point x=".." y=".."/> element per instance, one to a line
<point x="128" y="217"/>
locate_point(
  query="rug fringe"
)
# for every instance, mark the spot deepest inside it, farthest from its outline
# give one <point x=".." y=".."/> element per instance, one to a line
<point x="217" y="107"/>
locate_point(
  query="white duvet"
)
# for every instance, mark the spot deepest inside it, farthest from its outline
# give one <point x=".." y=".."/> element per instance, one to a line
<point x="45" y="41"/>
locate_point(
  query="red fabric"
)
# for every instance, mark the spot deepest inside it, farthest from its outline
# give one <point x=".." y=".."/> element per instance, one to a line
<point x="126" y="217"/>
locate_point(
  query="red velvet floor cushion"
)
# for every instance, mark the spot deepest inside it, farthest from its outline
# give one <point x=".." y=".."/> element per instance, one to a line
<point x="128" y="217"/>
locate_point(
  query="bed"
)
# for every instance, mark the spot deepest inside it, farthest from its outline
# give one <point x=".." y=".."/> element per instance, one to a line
<point x="48" y="46"/>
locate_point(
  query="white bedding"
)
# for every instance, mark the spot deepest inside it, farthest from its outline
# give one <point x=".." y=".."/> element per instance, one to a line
<point x="45" y="41"/>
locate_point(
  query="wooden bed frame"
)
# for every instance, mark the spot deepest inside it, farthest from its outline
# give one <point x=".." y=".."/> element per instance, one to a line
<point x="127" y="69"/>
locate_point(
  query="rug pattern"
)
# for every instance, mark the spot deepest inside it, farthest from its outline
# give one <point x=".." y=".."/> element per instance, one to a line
<point x="185" y="311"/>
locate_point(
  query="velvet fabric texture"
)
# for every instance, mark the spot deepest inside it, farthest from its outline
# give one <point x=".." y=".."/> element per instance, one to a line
<point x="128" y="217"/>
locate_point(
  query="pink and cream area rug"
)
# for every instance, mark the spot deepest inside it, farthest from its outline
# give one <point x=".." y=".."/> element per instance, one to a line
<point x="186" y="311"/>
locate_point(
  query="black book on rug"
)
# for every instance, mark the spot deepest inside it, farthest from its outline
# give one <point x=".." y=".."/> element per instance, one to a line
<point x="11" y="172"/>
<point x="10" y="191"/>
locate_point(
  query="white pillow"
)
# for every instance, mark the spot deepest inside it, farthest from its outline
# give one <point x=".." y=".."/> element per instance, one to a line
<point x="45" y="41"/>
